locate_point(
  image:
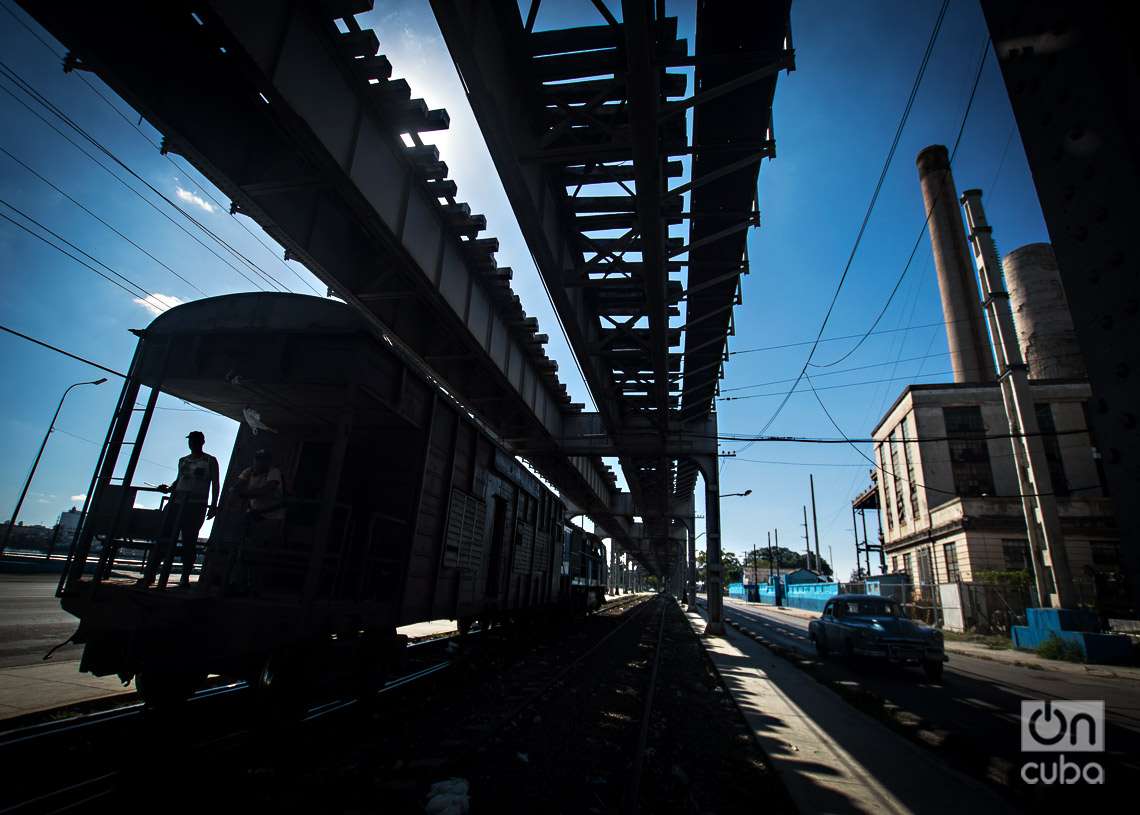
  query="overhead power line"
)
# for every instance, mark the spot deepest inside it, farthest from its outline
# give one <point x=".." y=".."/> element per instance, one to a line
<point x="99" y="219"/>
<point x="95" y="90"/>
<point x="13" y="77"/>
<point x="870" y="206"/>
<point x="877" y="466"/>
<point x="801" y="343"/>
<point x="137" y="291"/>
<point x="922" y="231"/>
<point x="831" y="373"/>
<point x="58" y="350"/>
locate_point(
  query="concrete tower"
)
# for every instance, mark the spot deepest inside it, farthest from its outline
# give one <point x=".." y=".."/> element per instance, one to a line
<point x="1041" y="314"/>
<point x="970" y="354"/>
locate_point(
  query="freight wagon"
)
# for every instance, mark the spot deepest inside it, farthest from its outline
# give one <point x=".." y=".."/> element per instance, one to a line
<point x="397" y="508"/>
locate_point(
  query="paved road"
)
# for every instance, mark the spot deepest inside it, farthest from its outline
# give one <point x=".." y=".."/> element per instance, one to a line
<point x="977" y="701"/>
<point x="31" y="621"/>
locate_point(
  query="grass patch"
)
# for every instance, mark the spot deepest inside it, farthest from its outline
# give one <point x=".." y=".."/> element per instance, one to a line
<point x="995" y="642"/>
<point x="1057" y="648"/>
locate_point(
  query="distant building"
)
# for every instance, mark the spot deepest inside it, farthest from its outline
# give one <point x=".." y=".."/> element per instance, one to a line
<point x="948" y="499"/>
<point x="68" y="523"/>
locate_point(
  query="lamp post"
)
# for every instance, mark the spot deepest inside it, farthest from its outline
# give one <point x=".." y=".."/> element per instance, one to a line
<point x="36" y="463"/>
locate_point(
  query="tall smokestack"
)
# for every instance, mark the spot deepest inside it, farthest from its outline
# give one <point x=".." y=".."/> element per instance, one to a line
<point x="970" y="354"/>
<point x="1041" y="314"/>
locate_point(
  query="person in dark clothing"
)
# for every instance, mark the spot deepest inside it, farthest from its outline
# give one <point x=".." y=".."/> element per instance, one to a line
<point x="193" y="499"/>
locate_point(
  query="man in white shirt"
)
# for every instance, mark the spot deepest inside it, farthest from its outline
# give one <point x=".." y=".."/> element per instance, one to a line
<point x="194" y="498"/>
<point x="261" y="486"/>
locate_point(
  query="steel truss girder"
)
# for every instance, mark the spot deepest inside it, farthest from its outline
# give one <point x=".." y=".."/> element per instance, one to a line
<point x="372" y="211"/>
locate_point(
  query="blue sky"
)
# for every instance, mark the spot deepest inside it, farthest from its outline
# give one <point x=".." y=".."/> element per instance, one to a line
<point x="834" y="119"/>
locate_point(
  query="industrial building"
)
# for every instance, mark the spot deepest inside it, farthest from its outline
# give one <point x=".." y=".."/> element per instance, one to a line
<point x="947" y="486"/>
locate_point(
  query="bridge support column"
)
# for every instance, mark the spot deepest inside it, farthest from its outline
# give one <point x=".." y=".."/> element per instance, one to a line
<point x="692" y="524"/>
<point x="715" y="573"/>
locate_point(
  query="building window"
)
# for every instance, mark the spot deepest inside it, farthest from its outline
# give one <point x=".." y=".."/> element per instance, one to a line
<point x="886" y="498"/>
<point x="1016" y="555"/>
<point x="926" y="567"/>
<point x="894" y="564"/>
<point x="950" y="552"/>
<point x="1052" y="447"/>
<point x="908" y="563"/>
<point x="1105" y="553"/>
<point x="969" y="456"/>
<point x="1095" y="452"/>
<point x="900" y="506"/>
<point x="912" y="483"/>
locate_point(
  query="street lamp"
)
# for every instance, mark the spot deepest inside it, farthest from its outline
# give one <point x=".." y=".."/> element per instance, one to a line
<point x="744" y="494"/>
<point x="36" y="463"/>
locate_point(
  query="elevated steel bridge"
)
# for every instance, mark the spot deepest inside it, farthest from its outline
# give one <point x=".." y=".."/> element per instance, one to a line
<point x="291" y="110"/>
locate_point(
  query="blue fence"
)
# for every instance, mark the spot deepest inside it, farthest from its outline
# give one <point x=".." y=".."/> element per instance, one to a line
<point x="807" y="596"/>
<point x="810" y="596"/>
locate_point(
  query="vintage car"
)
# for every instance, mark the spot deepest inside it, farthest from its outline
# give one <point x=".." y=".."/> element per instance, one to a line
<point x="867" y="625"/>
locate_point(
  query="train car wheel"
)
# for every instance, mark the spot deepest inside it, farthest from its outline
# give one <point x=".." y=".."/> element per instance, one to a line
<point x="165" y="689"/>
<point x="280" y="690"/>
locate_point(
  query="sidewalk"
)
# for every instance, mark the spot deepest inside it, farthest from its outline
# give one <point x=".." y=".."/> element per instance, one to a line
<point x="830" y="756"/>
<point x="1022" y="659"/>
<point x="36" y="688"/>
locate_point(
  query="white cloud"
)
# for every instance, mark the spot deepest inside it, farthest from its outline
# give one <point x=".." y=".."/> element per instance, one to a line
<point x="157" y="303"/>
<point x="81" y="497"/>
<point x="191" y="198"/>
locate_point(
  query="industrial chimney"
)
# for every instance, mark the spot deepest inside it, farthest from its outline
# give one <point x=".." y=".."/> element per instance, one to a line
<point x="1041" y="314"/>
<point x="970" y="354"/>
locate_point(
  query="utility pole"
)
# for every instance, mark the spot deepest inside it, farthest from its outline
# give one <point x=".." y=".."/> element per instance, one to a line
<point x="814" y="520"/>
<point x="831" y="559"/>
<point x="1046" y="542"/>
<point x="807" y="539"/>
<point x="778" y="590"/>
<point x="770" y="561"/>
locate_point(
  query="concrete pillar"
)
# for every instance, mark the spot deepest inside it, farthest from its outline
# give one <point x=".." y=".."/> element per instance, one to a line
<point x="715" y="571"/>
<point x="692" y="543"/>
<point x="970" y="354"/>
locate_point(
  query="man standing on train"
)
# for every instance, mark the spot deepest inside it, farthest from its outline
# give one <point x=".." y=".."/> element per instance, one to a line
<point x="194" y="498"/>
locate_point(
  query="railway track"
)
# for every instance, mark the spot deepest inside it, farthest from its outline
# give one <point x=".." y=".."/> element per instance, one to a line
<point x="48" y="742"/>
<point x="78" y="739"/>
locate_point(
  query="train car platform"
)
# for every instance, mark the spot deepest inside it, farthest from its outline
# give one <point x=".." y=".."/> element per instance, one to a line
<point x="39" y="687"/>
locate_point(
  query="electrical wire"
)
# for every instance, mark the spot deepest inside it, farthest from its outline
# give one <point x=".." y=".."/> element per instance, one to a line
<point x="870" y="208"/>
<point x="99" y="219"/>
<point x="801" y="343"/>
<point x="13" y="76"/>
<point x="923" y="230"/>
<point x="904" y="440"/>
<point x="830" y="373"/>
<point x="4" y="71"/>
<point x="51" y="347"/>
<point x="138" y="292"/>
<point x="153" y="144"/>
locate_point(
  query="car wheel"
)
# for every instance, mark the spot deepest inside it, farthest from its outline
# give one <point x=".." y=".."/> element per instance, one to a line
<point x="820" y="646"/>
<point x="933" y="670"/>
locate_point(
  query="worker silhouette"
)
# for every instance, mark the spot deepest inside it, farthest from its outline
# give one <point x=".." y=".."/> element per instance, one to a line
<point x="193" y="498"/>
<point x="261" y="487"/>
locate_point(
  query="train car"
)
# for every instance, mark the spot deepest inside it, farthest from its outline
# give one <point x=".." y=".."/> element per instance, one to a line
<point x="584" y="568"/>
<point x="397" y="508"/>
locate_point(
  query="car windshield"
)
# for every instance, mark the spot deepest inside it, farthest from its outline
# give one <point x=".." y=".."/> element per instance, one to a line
<point x="868" y="607"/>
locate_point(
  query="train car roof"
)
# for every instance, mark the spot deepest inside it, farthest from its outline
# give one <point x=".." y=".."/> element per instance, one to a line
<point x="289" y="357"/>
<point x="258" y="311"/>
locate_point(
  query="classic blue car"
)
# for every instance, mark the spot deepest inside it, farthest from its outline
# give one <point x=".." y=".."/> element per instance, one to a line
<point x="867" y="625"/>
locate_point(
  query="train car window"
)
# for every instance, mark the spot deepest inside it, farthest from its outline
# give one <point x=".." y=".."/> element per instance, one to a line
<point x="466" y="519"/>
